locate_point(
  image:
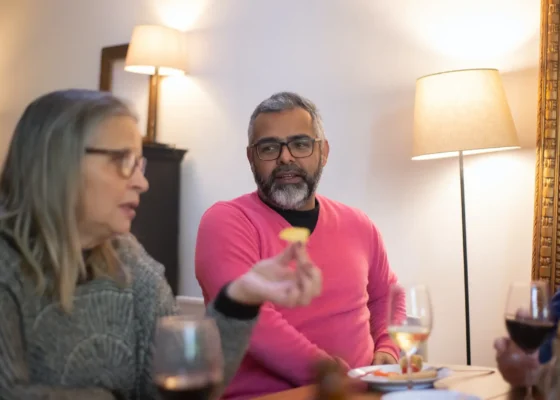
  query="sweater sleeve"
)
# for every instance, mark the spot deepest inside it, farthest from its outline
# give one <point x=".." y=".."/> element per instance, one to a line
<point x="235" y="323"/>
<point x="227" y="247"/>
<point x="14" y="373"/>
<point x="153" y="299"/>
<point x="380" y="279"/>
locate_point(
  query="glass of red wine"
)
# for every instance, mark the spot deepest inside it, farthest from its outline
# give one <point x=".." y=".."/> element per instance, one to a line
<point x="188" y="361"/>
<point x="529" y="319"/>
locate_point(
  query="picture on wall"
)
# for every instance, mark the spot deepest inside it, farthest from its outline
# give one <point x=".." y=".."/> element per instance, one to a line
<point x="132" y="88"/>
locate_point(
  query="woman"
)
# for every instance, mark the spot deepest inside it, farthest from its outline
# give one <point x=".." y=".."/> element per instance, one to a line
<point x="79" y="297"/>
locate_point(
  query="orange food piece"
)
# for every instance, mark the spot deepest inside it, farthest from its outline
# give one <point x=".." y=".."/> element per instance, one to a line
<point x="379" y="372"/>
<point x="416" y="362"/>
<point x="295" y="234"/>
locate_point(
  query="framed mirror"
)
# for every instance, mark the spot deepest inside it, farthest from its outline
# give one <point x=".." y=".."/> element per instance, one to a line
<point x="546" y="235"/>
<point x="131" y="87"/>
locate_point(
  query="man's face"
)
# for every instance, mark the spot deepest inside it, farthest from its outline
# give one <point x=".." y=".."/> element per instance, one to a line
<point x="287" y="180"/>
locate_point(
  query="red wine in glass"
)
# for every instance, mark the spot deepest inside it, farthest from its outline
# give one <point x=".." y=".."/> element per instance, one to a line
<point x="528" y="316"/>
<point x="528" y="335"/>
<point x="188" y="361"/>
<point x="182" y="388"/>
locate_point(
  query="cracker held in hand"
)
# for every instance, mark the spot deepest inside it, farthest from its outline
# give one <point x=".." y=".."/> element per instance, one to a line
<point x="295" y="234"/>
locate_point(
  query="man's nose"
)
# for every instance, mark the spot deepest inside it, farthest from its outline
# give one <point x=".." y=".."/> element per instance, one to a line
<point x="285" y="155"/>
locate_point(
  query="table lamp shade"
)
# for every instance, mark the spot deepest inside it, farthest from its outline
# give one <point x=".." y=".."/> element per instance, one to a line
<point x="464" y="110"/>
<point x="154" y="46"/>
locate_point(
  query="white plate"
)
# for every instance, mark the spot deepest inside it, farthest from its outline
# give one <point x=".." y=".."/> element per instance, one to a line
<point x="429" y="395"/>
<point x="385" y="385"/>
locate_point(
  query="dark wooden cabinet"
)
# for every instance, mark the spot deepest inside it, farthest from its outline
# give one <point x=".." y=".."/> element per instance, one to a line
<point x="156" y="225"/>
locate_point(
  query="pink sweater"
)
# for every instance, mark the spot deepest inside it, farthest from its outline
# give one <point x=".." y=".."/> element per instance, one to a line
<point x="347" y="320"/>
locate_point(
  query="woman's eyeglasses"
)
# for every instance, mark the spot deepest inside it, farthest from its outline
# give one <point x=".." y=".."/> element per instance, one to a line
<point x="126" y="160"/>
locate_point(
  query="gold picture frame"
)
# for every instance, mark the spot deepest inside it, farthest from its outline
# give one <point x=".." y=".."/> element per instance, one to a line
<point x="546" y="233"/>
<point x="111" y="56"/>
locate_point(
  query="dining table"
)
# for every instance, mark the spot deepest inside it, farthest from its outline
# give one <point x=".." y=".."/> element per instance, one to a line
<point x="483" y="382"/>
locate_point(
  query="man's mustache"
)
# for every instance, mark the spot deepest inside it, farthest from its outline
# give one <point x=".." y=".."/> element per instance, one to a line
<point x="288" y="170"/>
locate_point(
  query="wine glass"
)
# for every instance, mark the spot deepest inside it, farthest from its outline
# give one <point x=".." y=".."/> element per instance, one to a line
<point x="528" y="315"/>
<point x="188" y="361"/>
<point x="409" y="320"/>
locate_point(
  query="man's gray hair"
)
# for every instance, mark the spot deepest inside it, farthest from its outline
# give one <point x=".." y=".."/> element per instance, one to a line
<point x="283" y="101"/>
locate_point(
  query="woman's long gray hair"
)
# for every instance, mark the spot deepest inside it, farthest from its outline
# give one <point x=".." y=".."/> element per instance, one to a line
<point x="41" y="185"/>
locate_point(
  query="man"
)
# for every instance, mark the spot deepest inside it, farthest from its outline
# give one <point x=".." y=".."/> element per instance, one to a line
<point x="287" y="152"/>
<point x="520" y="369"/>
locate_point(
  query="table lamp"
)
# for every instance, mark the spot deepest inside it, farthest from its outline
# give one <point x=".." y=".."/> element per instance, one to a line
<point x="156" y="51"/>
<point x="459" y="113"/>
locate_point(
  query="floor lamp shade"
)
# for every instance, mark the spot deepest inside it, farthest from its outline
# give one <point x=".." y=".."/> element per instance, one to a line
<point x="156" y="49"/>
<point x="465" y="110"/>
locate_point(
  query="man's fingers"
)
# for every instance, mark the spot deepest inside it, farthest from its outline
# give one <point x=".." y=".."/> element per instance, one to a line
<point x="287" y="255"/>
<point x="307" y="290"/>
<point x="301" y="254"/>
<point x="501" y="345"/>
<point x="291" y="297"/>
<point x="310" y="282"/>
<point x="313" y="275"/>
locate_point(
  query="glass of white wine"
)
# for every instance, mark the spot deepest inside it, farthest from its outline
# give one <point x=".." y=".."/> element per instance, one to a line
<point x="409" y="319"/>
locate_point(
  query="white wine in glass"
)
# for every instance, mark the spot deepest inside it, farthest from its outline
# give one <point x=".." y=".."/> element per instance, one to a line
<point x="409" y="321"/>
<point x="407" y="337"/>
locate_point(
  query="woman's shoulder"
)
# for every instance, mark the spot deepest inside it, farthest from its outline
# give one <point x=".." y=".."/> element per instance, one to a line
<point x="152" y="293"/>
<point x="144" y="270"/>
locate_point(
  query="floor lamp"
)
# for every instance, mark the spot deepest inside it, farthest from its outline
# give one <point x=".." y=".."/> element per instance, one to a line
<point x="156" y="51"/>
<point x="458" y="113"/>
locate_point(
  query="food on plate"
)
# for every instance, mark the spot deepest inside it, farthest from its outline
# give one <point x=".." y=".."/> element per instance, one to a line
<point x="416" y="363"/>
<point x="295" y="234"/>
<point x="398" y="376"/>
<point x="426" y="374"/>
<point x="417" y="372"/>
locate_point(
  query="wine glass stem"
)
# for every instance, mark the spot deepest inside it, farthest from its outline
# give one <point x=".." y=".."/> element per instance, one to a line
<point x="409" y="370"/>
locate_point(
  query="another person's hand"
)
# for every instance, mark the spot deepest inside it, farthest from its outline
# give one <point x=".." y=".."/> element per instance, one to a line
<point x="274" y="280"/>
<point x="380" y="358"/>
<point x="517" y="368"/>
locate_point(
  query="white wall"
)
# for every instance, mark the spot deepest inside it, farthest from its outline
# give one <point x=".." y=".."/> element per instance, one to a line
<point x="358" y="60"/>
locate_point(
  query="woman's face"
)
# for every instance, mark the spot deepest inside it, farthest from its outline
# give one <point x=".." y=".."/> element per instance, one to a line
<point x="112" y="181"/>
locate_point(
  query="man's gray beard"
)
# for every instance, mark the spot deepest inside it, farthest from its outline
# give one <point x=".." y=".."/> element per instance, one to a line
<point x="289" y="196"/>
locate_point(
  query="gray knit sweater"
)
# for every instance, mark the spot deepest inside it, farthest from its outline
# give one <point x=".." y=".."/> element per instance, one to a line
<point x="102" y="350"/>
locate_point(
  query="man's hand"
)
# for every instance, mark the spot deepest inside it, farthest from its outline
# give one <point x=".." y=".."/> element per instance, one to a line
<point x="517" y="368"/>
<point x="380" y="357"/>
<point x="273" y="280"/>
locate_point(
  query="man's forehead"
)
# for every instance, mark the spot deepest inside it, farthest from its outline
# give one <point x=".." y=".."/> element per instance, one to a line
<point x="283" y="124"/>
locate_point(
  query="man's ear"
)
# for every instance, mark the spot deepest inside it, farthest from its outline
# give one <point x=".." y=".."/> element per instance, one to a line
<point x="325" y="152"/>
<point x="249" y="155"/>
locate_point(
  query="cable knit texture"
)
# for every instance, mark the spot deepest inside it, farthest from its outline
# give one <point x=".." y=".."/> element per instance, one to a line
<point x="103" y="349"/>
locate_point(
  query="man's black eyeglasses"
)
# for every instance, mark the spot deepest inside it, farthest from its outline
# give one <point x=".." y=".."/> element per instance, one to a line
<point x="299" y="147"/>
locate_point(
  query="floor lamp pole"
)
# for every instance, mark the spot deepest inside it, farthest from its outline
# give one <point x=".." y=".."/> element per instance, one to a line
<point x="465" y="259"/>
